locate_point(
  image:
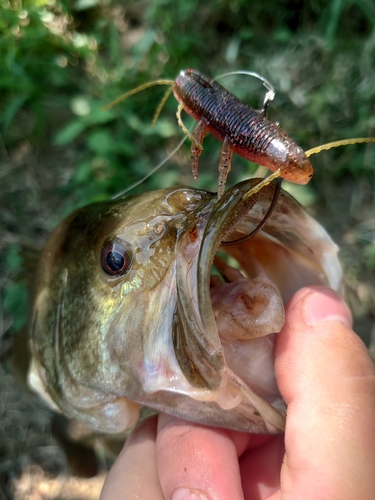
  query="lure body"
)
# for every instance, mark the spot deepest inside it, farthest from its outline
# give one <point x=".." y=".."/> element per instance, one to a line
<point x="240" y="128"/>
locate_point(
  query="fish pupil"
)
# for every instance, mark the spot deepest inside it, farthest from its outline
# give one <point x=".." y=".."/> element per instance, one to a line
<point x="115" y="261"/>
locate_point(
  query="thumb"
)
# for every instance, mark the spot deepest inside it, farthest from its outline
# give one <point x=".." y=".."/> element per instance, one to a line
<point x="327" y="380"/>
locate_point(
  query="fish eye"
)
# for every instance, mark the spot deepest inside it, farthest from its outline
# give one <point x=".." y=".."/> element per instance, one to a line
<point x="115" y="258"/>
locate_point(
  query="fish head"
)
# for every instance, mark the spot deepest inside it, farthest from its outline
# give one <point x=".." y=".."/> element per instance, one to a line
<point x="125" y="312"/>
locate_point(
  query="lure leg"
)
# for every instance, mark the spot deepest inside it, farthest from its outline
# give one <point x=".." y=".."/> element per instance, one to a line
<point x="196" y="147"/>
<point x="184" y="129"/>
<point x="225" y="164"/>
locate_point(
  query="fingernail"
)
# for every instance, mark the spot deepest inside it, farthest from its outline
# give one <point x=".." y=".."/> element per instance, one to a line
<point x="323" y="304"/>
<point x="188" y="494"/>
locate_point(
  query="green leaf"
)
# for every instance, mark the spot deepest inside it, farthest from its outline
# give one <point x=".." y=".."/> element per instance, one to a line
<point x="15" y="303"/>
<point x="69" y="133"/>
<point x="100" y="116"/>
<point x="100" y="142"/>
<point x="12" y="109"/>
<point x="85" y="4"/>
<point x="369" y="254"/>
<point x="80" y="106"/>
<point x="13" y="259"/>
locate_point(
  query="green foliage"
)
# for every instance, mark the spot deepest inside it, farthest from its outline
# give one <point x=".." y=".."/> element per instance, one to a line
<point x="35" y="49"/>
<point x="14" y="297"/>
<point x="369" y="254"/>
<point x="15" y="303"/>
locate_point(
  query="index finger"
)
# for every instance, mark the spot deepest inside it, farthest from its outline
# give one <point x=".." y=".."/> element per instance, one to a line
<point x="201" y="461"/>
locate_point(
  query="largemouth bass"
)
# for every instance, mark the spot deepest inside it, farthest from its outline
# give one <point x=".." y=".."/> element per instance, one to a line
<point x="133" y="307"/>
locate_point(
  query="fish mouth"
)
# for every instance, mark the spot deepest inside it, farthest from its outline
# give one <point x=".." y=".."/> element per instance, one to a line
<point x="206" y="349"/>
<point x="226" y="325"/>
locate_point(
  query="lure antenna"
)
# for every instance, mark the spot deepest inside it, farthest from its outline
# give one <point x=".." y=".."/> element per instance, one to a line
<point x="336" y="144"/>
<point x="139" y="89"/>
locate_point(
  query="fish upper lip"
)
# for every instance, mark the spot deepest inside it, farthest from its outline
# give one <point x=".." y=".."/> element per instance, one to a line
<point x="195" y="323"/>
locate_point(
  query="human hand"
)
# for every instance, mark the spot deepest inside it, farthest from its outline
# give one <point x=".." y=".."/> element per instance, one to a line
<point x="327" y="380"/>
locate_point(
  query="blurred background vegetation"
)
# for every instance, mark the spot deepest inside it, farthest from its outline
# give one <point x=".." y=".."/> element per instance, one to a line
<point x="61" y="61"/>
